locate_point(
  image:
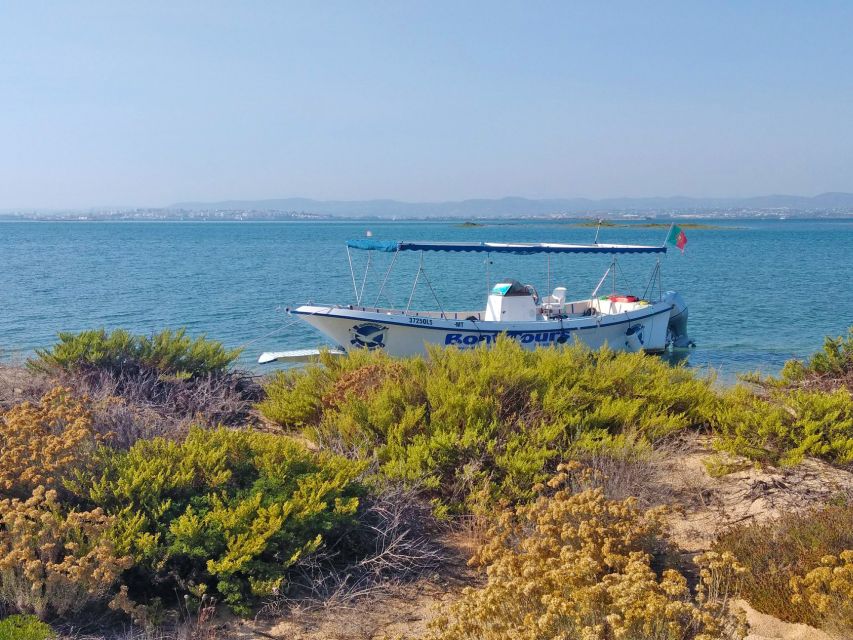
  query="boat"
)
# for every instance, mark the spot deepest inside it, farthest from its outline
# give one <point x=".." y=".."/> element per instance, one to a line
<point x="515" y="310"/>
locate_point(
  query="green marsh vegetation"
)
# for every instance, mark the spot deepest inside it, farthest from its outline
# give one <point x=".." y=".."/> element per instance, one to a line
<point x="604" y="224"/>
<point x="189" y="483"/>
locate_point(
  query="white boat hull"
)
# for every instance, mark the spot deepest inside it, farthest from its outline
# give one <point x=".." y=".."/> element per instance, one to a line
<point x="406" y="334"/>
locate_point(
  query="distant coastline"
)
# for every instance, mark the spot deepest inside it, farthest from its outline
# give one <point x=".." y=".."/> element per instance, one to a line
<point x="649" y="219"/>
<point x="826" y="205"/>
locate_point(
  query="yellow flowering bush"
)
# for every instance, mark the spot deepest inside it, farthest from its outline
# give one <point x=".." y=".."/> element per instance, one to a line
<point x="778" y="551"/>
<point x="577" y="566"/>
<point x="52" y="563"/>
<point x="41" y="443"/>
<point x="828" y="590"/>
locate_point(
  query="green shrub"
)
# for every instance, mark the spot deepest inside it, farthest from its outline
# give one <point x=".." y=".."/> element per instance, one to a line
<point x="790" y="547"/>
<point x="223" y="510"/>
<point x="835" y="361"/>
<point x="828" y="369"/>
<point x="480" y="426"/>
<point x="169" y="352"/>
<point x="25" y="628"/>
<point x="786" y="425"/>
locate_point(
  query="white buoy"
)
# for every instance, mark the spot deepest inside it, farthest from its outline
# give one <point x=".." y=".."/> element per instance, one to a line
<point x="369" y="233"/>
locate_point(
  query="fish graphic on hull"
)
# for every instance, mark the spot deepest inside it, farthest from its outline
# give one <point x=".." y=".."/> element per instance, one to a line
<point x="368" y="336"/>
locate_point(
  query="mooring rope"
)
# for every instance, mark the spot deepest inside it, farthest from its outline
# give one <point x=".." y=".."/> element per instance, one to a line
<point x="286" y="325"/>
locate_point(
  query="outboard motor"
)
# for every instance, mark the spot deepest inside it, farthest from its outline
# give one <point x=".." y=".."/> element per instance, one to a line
<point x="677" y="327"/>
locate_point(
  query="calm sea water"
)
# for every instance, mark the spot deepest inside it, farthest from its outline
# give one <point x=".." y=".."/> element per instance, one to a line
<point x="759" y="292"/>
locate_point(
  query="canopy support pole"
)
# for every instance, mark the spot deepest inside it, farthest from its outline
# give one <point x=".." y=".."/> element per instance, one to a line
<point x="548" y="255"/>
<point x="415" y="284"/>
<point x="364" y="281"/>
<point x="625" y="282"/>
<point x="656" y="278"/>
<point x="352" y="273"/>
<point x="429" y="284"/>
<point x="387" y="273"/>
<point x="488" y="279"/>
<point x="421" y="270"/>
<point x="601" y="282"/>
<point x="614" y="277"/>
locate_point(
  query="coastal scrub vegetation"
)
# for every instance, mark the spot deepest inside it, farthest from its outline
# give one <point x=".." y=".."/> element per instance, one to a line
<point x="782" y="426"/>
<point x="577" y="565"/>
<point x="226" y="511"/>
<point x="43" y="443"/>
<point x="807" y="410"/>
<point x="799" y="567"/>
<point x="828" y="589"/>
<point x="134" y="474"/>
<point x="169" y="353"/>
<point x="144" y="386"/>
<point x="478" y="428"/>
<point x="55" y="561"/>
<point x="830" y="368"/>
<point x="25" y="627"/>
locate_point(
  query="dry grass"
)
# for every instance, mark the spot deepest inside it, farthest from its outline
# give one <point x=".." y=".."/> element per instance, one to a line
<point x="789" y="547"/>
<point x="147" y="405"/>
<point x="143" y="405"/>
<point x="574" y="564"/>
<point x="394" y="542"/>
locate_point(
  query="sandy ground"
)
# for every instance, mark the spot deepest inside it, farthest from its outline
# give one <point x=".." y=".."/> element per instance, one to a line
<point x="709" y="505"/>
<point x="17" y="384"/>
<point x="764" y="627"/>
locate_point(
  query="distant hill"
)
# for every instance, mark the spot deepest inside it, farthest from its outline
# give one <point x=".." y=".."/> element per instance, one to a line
<point x="513" y="206"/>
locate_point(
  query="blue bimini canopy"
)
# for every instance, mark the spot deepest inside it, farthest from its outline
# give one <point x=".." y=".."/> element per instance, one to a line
<point x="518" y="248"/>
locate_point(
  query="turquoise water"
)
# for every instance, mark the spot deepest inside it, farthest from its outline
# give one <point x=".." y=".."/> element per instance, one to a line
<point x="759" y="292"/>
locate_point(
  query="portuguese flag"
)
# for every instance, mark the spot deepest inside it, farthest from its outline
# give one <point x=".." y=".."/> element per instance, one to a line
<point x="676" y="236"/>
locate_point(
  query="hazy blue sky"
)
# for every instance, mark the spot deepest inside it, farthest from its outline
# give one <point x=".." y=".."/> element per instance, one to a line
<point x="147" y="103"/>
